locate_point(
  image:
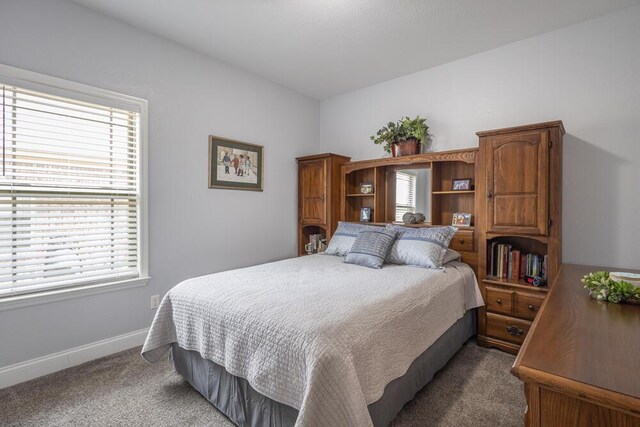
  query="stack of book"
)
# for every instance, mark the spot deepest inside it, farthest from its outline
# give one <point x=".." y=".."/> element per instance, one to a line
<point x="318" y="242"/>
<point x="507" y="262"/>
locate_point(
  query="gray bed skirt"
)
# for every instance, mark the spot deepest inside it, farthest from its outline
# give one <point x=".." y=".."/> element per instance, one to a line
<point x="234" y="397"/>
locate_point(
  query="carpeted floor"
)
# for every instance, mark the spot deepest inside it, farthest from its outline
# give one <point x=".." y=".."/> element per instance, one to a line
<point x="474" y="389"/>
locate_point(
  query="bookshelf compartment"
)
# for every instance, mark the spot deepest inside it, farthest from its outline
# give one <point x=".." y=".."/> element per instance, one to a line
<point x="445" y="172"/>
<point x="354" y="204"/>
<point x="362" y="176"/>
<point x="305" y="235"/>
<point x="354" y="200"/>
<point x="511" y="258"/>
<point x="446" y="204"/>
<point x="444" y="201"/>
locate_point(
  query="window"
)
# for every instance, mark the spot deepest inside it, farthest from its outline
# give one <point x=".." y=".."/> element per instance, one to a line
<point x="70" y="188"/>
<point x="405" y="194"/>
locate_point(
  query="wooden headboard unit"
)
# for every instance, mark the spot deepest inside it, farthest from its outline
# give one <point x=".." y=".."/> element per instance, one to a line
<point x="445" y="166"/>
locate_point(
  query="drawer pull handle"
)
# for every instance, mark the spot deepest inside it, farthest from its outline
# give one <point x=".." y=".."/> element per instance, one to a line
<point x="531" y="307"/>
<point x="461" y="241"/>
<point x="499" y="301"/>
<point x="515" y="331"/>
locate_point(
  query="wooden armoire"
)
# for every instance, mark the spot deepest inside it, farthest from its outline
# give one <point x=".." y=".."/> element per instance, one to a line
<point x="318" y="196"/>
<point x="519" y="204"/>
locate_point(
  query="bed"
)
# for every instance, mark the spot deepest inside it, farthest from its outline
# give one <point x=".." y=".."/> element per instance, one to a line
<point x="312" y="340"/>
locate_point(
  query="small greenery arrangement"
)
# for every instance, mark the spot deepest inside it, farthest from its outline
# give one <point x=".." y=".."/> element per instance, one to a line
<point x="401" y="130"/>
<point x="603" y="288"/>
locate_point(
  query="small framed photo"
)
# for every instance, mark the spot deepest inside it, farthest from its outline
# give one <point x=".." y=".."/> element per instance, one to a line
<point x="462" y="184"/>
<point x="365" y="214"/>
<point x="366" y="188"/>
<point x="461" y="219"/>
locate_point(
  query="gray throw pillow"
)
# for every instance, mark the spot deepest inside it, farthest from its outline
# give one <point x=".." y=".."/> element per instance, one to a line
<point x="371" y="247"/>
<point x="421" y="247"/>
<point x="345" y="235"/>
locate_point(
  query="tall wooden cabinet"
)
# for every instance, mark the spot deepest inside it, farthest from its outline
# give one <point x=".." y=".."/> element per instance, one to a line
<point x="318" y="196"/>
<point x="518" y="199"/>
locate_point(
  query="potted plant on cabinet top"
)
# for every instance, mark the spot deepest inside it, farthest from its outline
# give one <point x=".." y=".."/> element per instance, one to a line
<point x="404" y="137"/>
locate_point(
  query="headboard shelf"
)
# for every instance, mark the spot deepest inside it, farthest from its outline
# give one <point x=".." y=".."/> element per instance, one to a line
<point x="466" y="155"/>
<point x="439" y="200"/>
<point x="421" y="225"/>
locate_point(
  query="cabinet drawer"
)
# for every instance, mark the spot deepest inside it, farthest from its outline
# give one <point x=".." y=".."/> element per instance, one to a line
<point x="527" y="305"/>
<point x="507" y="328"/>
<point x="462" y="241"/>
<point x="499" y="300"/>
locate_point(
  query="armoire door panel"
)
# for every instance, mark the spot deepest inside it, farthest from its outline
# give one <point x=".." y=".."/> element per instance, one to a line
<point x="313" y="186"/>
<point x="518" y="210"/>
<point x="518" y="183"/>
<point x="515" y="167"/>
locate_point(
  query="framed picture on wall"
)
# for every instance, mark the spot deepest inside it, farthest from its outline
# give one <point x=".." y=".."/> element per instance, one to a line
<point x="235" y="165"/>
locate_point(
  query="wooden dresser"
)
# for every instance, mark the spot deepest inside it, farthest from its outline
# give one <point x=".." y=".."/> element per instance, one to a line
<point x="580" y="361"/>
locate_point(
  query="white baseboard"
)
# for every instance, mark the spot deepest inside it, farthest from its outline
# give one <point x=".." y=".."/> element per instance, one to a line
<point x="34" y="368"/>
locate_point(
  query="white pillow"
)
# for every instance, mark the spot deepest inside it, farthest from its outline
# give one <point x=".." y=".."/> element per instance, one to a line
<point x="420" y="247"/>
<point x="451" y="255"/>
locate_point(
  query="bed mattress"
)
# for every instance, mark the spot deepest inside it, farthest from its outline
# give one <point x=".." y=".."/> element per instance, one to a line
<point x="245" y="406"/>
<point x="314" y="333"/>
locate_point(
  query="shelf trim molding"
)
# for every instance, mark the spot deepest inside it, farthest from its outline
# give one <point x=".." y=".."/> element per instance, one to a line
<point x="453" y="192"/>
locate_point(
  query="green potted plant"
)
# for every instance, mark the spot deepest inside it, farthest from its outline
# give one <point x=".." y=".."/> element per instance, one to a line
<point x="404" y="137"/>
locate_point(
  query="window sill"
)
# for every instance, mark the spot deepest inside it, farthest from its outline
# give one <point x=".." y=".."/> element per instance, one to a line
<point x="10" y="303"/>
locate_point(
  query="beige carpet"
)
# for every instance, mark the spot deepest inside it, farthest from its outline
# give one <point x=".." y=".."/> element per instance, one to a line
<point x="474" y="389"/>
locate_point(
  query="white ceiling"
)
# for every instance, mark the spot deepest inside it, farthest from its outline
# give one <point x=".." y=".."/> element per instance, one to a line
<point x="327" y="47"/>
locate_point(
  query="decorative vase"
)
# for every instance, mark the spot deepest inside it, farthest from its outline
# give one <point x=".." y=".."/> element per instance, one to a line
<point x="413" y="218"/>
<point x="408" y="147"/>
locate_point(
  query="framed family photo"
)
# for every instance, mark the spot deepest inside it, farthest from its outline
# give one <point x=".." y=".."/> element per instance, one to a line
<point x="235" y="165"/>
<point x="461" y="219"/>
<point x="462" y="184"/>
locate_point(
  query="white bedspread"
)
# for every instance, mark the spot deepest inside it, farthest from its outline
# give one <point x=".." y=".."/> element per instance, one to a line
<point x="315" y="333"/>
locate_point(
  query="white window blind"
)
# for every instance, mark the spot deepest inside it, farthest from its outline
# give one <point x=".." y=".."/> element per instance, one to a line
<point x="69" y="192"/>
<point x="405" y="194"/>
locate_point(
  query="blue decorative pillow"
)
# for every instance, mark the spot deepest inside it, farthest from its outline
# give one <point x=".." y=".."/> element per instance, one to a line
<point x="421" y="247"/>
<point x="345" y="235"/>
<point x="371" y="247"/>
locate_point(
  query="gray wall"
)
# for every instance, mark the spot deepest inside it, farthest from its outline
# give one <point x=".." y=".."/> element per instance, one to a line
<point x="193" y="230"/>
<point x="586" y="75"/>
